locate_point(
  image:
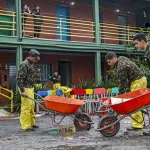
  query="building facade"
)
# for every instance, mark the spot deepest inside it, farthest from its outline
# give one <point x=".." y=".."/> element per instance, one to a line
<point x="74" y="35"/>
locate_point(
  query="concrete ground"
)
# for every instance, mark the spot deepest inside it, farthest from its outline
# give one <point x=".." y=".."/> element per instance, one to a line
<point x="12" y="137"/>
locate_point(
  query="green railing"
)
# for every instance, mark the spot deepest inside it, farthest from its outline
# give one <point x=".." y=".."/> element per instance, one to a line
<point x="7" y="23"/>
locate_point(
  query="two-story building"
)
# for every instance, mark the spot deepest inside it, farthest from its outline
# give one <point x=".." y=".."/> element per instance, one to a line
<point x="74" y="35"/>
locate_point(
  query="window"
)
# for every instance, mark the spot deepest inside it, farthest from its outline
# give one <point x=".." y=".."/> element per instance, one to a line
<point x="122" y="21"/>
<point x="45" y="70"/>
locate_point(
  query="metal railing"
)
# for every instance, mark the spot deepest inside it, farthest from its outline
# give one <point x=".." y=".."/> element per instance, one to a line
<point x="119" y="33"/>
<point x="7" y="23"/>
<point x="81" y="30"/>
<point x="60" y="28"/>
<point x="10" y="92"/>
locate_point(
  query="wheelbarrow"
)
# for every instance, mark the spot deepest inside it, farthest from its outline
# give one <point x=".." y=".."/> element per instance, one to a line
<point x="103" y="110"/>
<point x="62" y="106"/>
<point x="139" y="100"/>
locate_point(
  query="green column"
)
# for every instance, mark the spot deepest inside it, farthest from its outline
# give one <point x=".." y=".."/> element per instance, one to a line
<point x="18" y="57"/>
<point x="97" y="66"/>
<point x="96" y="20"/>
<point x="18" y="20"/>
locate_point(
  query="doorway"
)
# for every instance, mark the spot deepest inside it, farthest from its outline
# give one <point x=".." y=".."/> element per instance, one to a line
<point x="63" y="25"/>
<point x="122" y="21"/>
<point x="64" y="67"/>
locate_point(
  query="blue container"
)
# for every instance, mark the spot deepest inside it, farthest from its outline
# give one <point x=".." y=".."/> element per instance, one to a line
<point x="42" y="93"/>
<point x="59" y="92"/>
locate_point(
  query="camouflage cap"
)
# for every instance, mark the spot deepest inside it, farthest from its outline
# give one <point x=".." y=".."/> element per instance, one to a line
<point x="34" y="53"/>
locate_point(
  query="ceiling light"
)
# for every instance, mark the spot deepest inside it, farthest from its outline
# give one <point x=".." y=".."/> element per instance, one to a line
<point x="72" y="3"/>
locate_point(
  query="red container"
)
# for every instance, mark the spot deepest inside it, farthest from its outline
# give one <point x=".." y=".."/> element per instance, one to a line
<point x="138" y="99"/>
<point x="78" y="92"/>
<point x="62" y="104"/>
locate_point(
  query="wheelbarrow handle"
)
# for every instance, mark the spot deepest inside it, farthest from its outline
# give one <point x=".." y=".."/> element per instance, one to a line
<point x="39" y="96"/>
<point x="38" y="102"/>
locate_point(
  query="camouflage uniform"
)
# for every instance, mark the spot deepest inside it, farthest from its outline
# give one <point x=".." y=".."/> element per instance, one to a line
<point x="27" y="75"/>
<point x="130" y="76"/>
<point x="147" y="53"/>
<point x="37" y="22"/>
<point x="127" y="72"/>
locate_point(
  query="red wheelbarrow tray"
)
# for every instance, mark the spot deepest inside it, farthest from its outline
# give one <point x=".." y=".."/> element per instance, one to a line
<point x="62" y="104"/>
<point x="139" y="99"/>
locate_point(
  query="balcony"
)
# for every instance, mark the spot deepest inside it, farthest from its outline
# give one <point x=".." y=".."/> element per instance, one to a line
<point x="7" y="23"/>
<point x="74" y="30"/>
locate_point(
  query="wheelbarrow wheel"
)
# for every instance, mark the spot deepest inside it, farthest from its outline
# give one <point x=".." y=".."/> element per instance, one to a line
<point x="106" y="121"/>
<point x="102" y="111"/>
<point x="79" y="125"/>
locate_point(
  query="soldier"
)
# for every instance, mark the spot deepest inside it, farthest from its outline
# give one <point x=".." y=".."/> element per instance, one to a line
<point x="56" y="79"/>
<point x="140" y="42"/>
<point x="37" y="17"/>
<point x="25" y="79"/>
<point x="131" y="77"/>
<point x="25" y="12"/>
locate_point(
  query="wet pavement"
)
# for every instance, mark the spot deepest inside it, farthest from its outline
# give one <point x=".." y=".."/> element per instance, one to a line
<point x="12" y="138"/>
